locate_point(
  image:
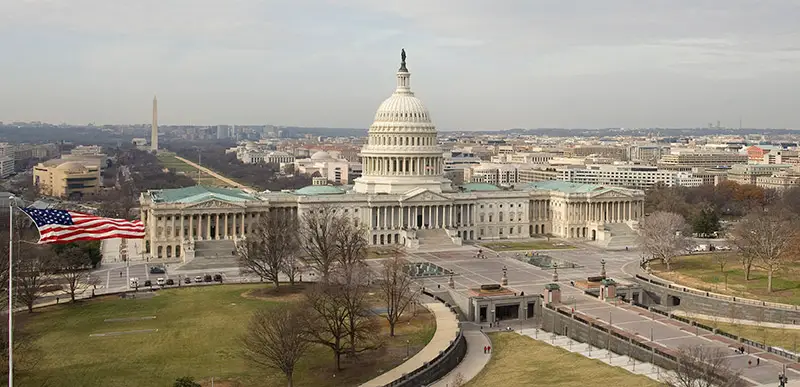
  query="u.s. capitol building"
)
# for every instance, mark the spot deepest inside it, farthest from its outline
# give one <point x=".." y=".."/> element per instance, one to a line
<point x="402" y="197"/>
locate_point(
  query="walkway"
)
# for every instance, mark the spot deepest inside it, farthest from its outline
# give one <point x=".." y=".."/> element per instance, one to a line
<point x="446" y="331"/>
<point x="473" y="362"/>
<point x="728" y="320"/>
<point x="216" y="175"/>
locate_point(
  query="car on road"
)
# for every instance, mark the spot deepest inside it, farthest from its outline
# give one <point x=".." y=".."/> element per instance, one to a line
<point x="148" y="283"/>
<point x="161" y="281"/>
<point x="198" y="279"/>
<point x="207" y="278"/>
<point x="170" y="282"/>
<point x="134" y="282"/>
<point x="217" y="277"/>
<point x="157" y="270"/>
<point x="187" y="280"/>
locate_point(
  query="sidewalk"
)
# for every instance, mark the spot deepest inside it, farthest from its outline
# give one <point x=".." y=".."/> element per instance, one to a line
<point x="472" y="363"/>
<point x="728" y="320"/>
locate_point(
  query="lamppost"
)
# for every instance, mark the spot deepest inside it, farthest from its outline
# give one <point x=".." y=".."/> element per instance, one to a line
<point x="408" y="348"/>
<point x="555" y="272"/>
<point x="603" y="268"/>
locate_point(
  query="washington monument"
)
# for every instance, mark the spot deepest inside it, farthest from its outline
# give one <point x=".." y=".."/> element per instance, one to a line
<point x="154" y="133"/>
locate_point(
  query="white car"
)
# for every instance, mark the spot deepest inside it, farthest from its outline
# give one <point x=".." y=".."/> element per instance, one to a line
<point x="134" y="282"/>
<point x="160" y="281"/>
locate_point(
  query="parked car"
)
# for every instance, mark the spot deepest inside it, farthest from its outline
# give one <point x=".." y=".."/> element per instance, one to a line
<point x="207" y="278"/>
<point x="198" y="279"/>
<point x="148" y="283"/>
<point x="170" y="282"/>
<point x="161" y="281"/>
<point x="134" y="282"/>
<point x="187" y="280"/>
<point x="217" y="277"/>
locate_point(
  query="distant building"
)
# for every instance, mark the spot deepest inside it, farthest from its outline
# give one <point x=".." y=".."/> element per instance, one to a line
<point x="749" y="173"/>
<point x="757" y="152"/>
<point x="335" y="169"/>
<point x="6" y="166"/>
<point x="685" y="161"/>
<point x="67" y="179"/>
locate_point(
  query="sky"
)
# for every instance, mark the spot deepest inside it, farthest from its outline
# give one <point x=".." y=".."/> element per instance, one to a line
<point x="476" y="64"/>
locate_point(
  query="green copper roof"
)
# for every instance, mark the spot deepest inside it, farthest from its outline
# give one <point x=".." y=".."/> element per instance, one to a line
<point x="319" y="190"/>
<point x="200" y="193"/>
<point x="563" y="186"/>
<point x="472" y="187"/>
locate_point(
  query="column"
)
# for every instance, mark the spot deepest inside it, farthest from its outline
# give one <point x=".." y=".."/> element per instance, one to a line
<point x="208" y="226"/>
<point x="225" y="230"/>
<point x="377" y="217"/>
<point x="191" y="227"/>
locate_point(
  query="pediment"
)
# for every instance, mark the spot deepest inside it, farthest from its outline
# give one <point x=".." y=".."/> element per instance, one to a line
<point x="611" y="194"/>
<point x="214" y="203"/>
<point x="423" y="195"/>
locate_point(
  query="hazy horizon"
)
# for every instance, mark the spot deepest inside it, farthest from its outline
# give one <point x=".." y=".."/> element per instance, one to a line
<point x="476" y="65"/>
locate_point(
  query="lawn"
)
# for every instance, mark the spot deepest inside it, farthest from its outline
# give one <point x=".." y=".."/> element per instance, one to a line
<point x="198" y="330"/>
<point x="528" y="245"/>
<point x="169" y="161"/>
<point x="522" y="361"/>
<point x="776" y="337"/>
<point x="702" y="271"/>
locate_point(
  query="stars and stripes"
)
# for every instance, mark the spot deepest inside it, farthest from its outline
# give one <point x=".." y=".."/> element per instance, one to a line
<point x="62" y="226"/>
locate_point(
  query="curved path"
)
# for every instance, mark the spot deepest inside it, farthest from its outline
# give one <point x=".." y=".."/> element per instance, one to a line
<point x="216" y="175"/>
<point x="446" y="331"/>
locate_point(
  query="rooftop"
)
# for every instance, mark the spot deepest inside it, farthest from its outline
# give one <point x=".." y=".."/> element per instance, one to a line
<point x="563" y="186"/>
<point x="200" y="193"/>
<point x="473" y="187"/>
<point x="312" y="190"/>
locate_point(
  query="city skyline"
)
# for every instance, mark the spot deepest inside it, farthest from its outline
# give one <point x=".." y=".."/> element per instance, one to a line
<point x="318" y="64"/>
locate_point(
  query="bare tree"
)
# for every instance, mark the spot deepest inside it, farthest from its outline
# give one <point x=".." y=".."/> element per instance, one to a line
<point x="327" y="323"/>
<point x="318" y="237"/>
<point x="701" y="366"/>
<point x="350" y="243"/>
<point x="72" y="264"/>
<point x="34" y="266"/>
<point x="277" y="338"/>
<point x="662" y="236"/>
<point x="722" y="261"/>
<point x="266" y="250"/>
<point x="767" y="240"/>
<point x="396" y="288"/>
<point x="362" y="329"/>
<point x="291" y="267"/>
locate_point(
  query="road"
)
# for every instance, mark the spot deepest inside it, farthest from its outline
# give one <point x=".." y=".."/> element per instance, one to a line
<point x="216" y="175"/>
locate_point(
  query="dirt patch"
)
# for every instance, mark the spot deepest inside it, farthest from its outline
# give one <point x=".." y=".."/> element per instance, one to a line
<point x="282" y="293"/>
<point x="220" y="383"/>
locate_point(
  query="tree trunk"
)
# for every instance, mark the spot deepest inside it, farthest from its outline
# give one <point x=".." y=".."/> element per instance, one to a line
<point x="746" y="272"/>
<point x="72" y="295"/>
<point x="391" y="327"/>
<point x="666" y="263"/>
<point x="30" y="307"/>
<point x="769" y="280"/>
<point x="337" y="356"/>
<point x="289" y="379"/>
<point x="276" y="283"/>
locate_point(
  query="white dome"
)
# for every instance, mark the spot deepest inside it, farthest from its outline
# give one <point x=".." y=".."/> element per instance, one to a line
<point x="402" y="107"/>
<point x="321" y="155"/>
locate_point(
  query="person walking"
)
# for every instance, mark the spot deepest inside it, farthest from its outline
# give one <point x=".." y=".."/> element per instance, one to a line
<point x="490" y="349"/>
<point x="758" y="361"/>
<point x="484" y="349"/>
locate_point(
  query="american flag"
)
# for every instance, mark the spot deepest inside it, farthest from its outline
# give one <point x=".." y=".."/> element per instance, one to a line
<point x="62" y="226"/>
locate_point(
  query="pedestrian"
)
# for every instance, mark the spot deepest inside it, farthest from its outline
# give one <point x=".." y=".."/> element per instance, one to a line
<point x="120" y="274"/>
<point x="484" y="349"/>
<point x="56" y="300"/>
<point x="749" y="363"/>
<point x="490" y="349"/>
<point x="758" y="361"/>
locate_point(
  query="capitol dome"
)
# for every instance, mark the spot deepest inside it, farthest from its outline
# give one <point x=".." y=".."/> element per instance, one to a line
<point x="321" y="155"/>
<point x="402" y="151"/>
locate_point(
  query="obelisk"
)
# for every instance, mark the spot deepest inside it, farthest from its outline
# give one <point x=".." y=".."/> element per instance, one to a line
<point x="154" y="129"/>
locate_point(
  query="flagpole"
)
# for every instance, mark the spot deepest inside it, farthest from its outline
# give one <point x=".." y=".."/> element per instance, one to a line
<point x="11" y="200"/>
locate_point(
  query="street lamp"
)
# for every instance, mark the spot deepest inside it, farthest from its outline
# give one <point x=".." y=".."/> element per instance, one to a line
<point x="602" y="267"/>
<point x="408" y="348"/>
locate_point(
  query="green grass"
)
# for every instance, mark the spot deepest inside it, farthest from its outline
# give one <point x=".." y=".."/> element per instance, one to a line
<point x="168" y="160"/>
<point x="198" y="335"/>
<point x="530" y="245"/>
<point x="702" y="271"/>
<point x="522" y="361"/>
<point x="785" y="338"/>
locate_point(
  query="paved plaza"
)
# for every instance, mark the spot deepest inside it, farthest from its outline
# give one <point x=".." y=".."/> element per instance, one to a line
<point x="471" y="272"/>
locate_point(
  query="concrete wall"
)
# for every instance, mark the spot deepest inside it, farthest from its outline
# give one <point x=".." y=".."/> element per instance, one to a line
<point x="438" y="368"/>
<point x="695" y="301"/>
<point x="462" y="302"/>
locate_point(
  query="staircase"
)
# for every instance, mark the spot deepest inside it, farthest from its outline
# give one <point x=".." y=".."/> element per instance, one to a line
<point x="621" y="236"/>
<point x="433" y="238"/>
<point x="210" y="255"/>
